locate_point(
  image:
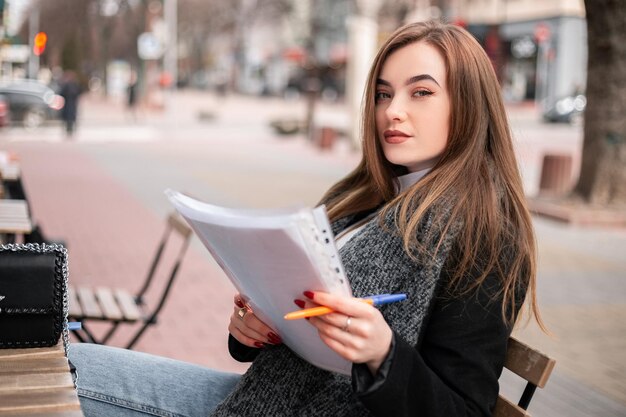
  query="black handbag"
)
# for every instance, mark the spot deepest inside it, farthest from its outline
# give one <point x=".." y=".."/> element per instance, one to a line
<point x="33" y="295"/>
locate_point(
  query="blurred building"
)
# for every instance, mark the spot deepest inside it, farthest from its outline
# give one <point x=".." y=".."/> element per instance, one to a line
<point x="276" y="54"/>
<point x="538" y="47"/>
<point x="13" y="57"/>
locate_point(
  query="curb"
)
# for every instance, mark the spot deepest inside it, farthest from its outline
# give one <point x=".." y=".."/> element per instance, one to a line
<point x="578" y="215"/>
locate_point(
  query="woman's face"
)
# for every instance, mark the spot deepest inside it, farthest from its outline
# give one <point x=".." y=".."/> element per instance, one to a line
<point x="413" y="106"/>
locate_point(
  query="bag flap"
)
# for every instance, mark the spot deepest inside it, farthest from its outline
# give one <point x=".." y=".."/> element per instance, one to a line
<point x="27" y="280"/>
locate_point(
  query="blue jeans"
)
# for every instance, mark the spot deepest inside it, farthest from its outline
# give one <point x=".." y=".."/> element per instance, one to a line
<point x="123" y="383"/>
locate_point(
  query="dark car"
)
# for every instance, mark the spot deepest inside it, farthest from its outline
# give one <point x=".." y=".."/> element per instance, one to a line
<point x="327" y="84"/>
<point x="567" y="109"/>
<point x="31" y="102"/>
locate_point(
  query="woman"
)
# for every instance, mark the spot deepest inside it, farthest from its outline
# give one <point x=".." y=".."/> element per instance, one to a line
<point x="435" y="210"/>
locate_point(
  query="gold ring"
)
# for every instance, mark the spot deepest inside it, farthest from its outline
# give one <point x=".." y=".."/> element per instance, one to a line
<point x="242" y="312"/>
<point x="346" y="327"/>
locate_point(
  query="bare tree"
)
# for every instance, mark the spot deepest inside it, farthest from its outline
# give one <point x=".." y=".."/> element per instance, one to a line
<point x="200" y="20"/>
<point x="80" y="38"/>
<point x="603" y="171"/>
<point x="53" y="19"/>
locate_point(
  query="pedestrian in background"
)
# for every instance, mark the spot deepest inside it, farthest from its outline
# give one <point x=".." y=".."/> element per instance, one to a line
<point x="131" y="95"/>
<point x="435" y="210"/>
<point x="70" y="91"/>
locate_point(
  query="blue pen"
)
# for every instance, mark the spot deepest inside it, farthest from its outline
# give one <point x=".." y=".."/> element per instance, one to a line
<point x="385" y="298"/>
<point x="374" y="300"/>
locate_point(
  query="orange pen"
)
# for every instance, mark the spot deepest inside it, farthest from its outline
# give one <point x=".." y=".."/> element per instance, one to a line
<point x="374" y="300"/>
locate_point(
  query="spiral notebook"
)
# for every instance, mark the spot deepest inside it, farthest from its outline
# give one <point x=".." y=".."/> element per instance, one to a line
<point x="271" y="257"/>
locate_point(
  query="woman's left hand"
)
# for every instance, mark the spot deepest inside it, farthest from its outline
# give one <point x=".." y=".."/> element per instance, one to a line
<point x="355" y="330"/>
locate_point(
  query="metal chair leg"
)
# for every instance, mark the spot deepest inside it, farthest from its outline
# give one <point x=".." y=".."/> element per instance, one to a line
<point x="527" y="395"/>
<point x="112" y="330"/>
<point x="77" y="334"/>
<point x="90" y="337"/>
<point x="138" y="334"/>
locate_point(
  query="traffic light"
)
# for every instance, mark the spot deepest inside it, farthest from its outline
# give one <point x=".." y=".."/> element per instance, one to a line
<point x="39" y="43"/>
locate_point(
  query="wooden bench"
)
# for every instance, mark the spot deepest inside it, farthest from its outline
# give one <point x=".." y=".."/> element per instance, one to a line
<point x="531" y="365"/>
<point x="10" y="171"/>
<point x="37" y="382"/>
<point x="15" y="217"/>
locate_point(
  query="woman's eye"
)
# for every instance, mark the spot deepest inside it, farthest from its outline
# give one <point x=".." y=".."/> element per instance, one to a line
<point x="381" y="95"/>
<point x="422" y="93"/>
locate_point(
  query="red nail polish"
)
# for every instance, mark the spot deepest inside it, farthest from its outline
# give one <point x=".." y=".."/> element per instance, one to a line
<point x="274" y="338"/>
<point x="299" y="303"/>
<point x="259" y="344"/>
<point x="239" y="303"/>
<point x="308" y="294"/>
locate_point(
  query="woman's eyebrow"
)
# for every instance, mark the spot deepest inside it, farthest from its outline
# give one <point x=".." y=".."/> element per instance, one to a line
<point x="420" y="78"/>
<point x="410" y="81"/>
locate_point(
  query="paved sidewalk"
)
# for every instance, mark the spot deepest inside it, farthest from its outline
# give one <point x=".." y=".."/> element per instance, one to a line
<point x="112" y="237"/>
<point x="103" y="193"/>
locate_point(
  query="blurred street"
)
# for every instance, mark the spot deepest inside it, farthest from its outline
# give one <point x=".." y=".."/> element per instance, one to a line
<point x="102" y="192"/>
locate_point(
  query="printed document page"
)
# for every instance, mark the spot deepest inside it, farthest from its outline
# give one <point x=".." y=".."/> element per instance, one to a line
<point x="271" y="257"/>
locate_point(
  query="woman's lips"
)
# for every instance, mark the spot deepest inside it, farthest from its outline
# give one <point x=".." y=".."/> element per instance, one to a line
<point x="395" y="136"/>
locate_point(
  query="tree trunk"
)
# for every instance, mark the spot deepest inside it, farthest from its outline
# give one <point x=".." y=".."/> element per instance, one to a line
<point x="603" y="171"/>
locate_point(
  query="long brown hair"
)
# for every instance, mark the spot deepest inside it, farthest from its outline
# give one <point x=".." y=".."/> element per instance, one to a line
<point x="476" y="178"/>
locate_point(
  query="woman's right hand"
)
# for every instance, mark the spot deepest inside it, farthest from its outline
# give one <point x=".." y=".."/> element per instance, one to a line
<point x="249" y="330"/>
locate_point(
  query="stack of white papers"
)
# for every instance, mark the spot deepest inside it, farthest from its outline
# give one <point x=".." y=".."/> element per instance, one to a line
<point x="271" y="257"/>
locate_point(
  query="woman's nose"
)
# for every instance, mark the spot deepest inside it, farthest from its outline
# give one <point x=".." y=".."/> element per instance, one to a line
<point x="396" y="110"/>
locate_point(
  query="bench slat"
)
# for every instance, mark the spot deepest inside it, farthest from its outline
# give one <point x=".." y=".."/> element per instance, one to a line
<point x="13" y="208"/>
<point x="27" y="366"/>
<point x="55" y="351"/>
<point x="65" y="413"/>
<point x="10" y="171"/>
<point x="88" y="303"/>
<point x="15" y="226"/>
<point x="74" y="305"/>
<point x="56" y="400"/>
<point x="127" y="303"/>
<point x="528" y="363"/>
<point x="25" y="382"/>
<point x="109" y="307"/>
<point x="505" y="408"/>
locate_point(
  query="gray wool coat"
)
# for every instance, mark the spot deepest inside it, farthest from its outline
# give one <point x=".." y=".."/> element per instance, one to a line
<point x="279" y="383"/>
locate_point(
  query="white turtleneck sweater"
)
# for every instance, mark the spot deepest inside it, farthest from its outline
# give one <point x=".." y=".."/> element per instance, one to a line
<point x="402" y="183"/>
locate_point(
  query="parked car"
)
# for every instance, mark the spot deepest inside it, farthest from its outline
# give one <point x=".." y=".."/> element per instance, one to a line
<point x="4" y="111"/>
<point x="567" y="109"/>
<point x="328" y="84"/>
<point x="31" y="102"/>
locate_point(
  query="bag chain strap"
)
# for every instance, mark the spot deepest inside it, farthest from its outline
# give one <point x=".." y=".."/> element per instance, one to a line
<point x="60" y="263"/>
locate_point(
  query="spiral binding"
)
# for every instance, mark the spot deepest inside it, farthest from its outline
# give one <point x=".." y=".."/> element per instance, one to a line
<point x="61" y="264"/>
<point x="320" y="247"/>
